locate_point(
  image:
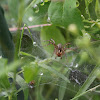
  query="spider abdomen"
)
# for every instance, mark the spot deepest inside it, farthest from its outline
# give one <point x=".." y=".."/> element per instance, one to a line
<point x="59" y="54"/>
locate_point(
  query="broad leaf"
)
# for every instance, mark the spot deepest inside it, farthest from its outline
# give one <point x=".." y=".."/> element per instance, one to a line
<point x="30" y="73"/>
<point x="65" y="13"/>
<point x="4" y="82"/>
<point x="54" y="33"/>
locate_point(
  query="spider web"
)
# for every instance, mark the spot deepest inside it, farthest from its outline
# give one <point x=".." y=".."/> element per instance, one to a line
<point x="70" y="67"/>
<point x="76" y="73"/>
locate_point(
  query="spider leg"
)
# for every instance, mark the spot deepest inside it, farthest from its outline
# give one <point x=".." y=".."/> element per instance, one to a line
<point x="47" y="44"/>
<point x="66" y="44"/>
<point x="70" y="49"/>
<point x="51" y="41"/>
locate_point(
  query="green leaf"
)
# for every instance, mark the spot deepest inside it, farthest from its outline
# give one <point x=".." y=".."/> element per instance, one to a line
<point x="23" y="85"/>
<point x="92" y="10"/>
<point x="4" y="82"/>
<point x="97" y="8"/>
<point x="13" y="7"/>
<point x="65" y="13"/>
<point x="62" y="90"/>
<point x="26" y="54"/>
<point x="30" y="72"/>
<point x="10" y="67"/>
<point x="6" y="43"/>
<point x="54" y="33"/>
<point x="55" y="72"/>
<point x="34" y="2"/>
<point x="36" y="15"/>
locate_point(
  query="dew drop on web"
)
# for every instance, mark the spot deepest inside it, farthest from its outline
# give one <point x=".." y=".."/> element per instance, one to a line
<point x="41" y="73"/>
<point x="30" y="18"/>
<point x="48" y="19"/>
<point x="35" y="8"/>
<point x="42" y="2"/>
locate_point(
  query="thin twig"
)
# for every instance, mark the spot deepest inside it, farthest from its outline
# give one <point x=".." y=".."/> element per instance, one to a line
<point x="90" y="90"/>
<point x="34" y="26"/>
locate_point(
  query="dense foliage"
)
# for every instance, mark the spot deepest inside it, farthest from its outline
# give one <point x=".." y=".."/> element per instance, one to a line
<point x="35" y="74"/>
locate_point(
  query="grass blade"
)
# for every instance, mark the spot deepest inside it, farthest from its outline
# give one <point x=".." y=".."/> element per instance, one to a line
<point x="88" y="82"/>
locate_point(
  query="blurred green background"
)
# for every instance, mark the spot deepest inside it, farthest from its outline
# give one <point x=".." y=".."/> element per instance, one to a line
<point x="28" y="68"/>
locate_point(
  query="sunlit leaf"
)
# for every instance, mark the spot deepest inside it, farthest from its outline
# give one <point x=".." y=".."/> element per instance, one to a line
<point x="65" y="13"/>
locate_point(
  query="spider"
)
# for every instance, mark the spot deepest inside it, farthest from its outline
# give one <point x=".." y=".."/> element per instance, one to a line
<point x="59" y="49"/>
<point x="31" y="84"/>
